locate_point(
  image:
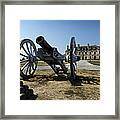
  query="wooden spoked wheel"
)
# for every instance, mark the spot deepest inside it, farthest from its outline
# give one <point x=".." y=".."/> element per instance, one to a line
<point x="28" y="59"/>
<point x="73" y="59"/>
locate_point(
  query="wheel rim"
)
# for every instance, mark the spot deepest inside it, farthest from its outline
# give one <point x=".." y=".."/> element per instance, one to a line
<point x="28" y="60"/>
<point x="72" y="58"/>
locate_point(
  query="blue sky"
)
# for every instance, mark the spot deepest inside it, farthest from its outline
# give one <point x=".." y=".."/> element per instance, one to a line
<point x="59" y="32"/>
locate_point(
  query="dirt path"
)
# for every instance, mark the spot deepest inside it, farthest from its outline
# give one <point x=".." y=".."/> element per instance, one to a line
<point x="82" y="64"/>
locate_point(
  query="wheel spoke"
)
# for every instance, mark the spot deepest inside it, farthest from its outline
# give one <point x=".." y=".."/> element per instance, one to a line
<point x="30" y="69"/>
<point x="33" y="66"/>
<point x="27" y="69"/>
<point x="31" y="49"/>
<point x="25" y="50"/>
<point x="22" y="61"/>
<point x="24" y="65"/>
<point x="33" y="53"/>
<point x="23" y="55"/>
<point x="28" y="48"/>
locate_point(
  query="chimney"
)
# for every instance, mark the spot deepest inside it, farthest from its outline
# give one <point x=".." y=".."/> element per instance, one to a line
<point x="88" y="46"/>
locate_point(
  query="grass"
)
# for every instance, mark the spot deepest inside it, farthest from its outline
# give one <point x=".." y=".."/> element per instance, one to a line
<point x="94" y="62"/>
<point x="95" y="73"/>
<point x="44" y="72"/>
<point x="47" y="86"/>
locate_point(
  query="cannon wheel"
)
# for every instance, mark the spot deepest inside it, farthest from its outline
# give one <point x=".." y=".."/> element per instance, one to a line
<point x="28" y="60"/>
<point x="72" y="61"/>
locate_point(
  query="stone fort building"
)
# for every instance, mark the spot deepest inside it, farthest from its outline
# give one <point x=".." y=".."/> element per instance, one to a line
<point x="87" y="52"/>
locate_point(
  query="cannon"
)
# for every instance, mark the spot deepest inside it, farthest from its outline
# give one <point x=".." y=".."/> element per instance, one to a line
<point x="30" y="55"/>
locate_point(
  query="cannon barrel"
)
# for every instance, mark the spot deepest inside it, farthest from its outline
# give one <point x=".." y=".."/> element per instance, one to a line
<point x="43" y="43"/>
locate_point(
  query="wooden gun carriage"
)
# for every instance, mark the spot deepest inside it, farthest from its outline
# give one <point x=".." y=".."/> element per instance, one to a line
<point x="30" y="55"/>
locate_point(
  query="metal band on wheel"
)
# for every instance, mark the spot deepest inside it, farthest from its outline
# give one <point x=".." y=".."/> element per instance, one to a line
<point x="28" y="60"/>
<point x="73" y="58"/>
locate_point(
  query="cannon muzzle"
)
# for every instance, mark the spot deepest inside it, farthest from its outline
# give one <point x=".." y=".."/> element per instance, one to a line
<point x="43" y="43"/>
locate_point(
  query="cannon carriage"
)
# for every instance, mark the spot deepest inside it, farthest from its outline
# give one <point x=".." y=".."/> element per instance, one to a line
<point x="30" y="55"/>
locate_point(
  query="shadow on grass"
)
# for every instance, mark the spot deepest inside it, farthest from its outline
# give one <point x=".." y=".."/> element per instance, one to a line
<point x="26" y="93"/>
<point x="89" y="93"/>
<point x="78" y="81"/>
<point x="88" y="80"/>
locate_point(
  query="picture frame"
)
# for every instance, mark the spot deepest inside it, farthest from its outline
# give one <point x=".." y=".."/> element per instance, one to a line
<point x="3" y="68"/>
